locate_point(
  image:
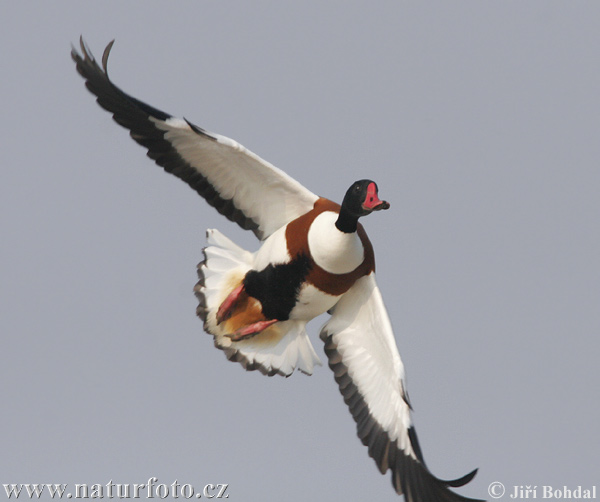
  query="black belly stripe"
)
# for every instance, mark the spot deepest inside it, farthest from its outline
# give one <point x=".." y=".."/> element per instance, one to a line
<point x="277" y="287"/>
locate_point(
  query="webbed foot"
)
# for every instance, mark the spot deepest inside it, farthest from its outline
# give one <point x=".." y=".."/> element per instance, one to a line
<point x="251" y="330"/>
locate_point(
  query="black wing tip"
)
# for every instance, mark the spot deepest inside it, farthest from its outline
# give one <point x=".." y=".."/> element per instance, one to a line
<point x="86" y="56"/>
<point x="105" y="55"/>
<point x="455" y="483"/>
<point x="199" y="130"/>
<point x="140" y="118"/>
<point x="98" y="83"/>
<point x="414" y="441"/>
<point x="410" y="475"/>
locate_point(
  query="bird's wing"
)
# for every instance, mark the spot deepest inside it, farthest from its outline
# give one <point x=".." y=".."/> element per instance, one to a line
<point x="239" y="184"/>
<point x="362" y="353"/>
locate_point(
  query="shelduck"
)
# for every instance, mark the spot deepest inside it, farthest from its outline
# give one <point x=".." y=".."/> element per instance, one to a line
<point x="315" y="257"/>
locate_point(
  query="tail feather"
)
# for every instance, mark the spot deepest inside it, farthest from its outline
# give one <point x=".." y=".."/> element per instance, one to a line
<point x="279" y="349"/>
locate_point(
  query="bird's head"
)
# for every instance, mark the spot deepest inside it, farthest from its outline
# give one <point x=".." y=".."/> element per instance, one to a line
<point x="361" y="199"/>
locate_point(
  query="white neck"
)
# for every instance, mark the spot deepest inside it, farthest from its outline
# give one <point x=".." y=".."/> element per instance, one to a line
<point x="334" y="251"/>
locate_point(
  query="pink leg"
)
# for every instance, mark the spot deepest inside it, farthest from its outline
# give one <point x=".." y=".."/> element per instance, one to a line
<point x="226" y="309"/>
<point x="251" y="330"/>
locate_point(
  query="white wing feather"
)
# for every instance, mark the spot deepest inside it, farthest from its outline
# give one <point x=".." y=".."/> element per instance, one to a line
<point x="362" y="352"/>
<point x="238" y="183"/>
<point x="362" y="334"/>
<point x="240" y="175"/>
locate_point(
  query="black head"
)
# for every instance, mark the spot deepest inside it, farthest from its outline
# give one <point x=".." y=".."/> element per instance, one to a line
<point x="360" y="200"/>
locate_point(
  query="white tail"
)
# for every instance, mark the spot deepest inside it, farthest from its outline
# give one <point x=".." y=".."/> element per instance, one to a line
<point x="279" y="349"/>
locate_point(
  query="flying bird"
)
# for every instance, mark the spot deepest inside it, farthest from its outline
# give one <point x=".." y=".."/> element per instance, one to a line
<point x="315" y="257"/>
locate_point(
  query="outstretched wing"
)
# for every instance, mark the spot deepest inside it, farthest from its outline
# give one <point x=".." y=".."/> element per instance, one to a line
<point x="362" y="353"/>
<point x="239" y="184"/>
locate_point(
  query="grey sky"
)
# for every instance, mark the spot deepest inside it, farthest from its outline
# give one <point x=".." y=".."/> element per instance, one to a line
<point x="479" y="121"/>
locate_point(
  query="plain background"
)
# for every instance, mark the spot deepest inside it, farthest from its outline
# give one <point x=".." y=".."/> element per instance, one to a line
<point x="480" y="122"/>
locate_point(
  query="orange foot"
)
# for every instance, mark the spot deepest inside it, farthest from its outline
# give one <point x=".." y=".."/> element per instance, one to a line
<point x="251" y="330"/>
